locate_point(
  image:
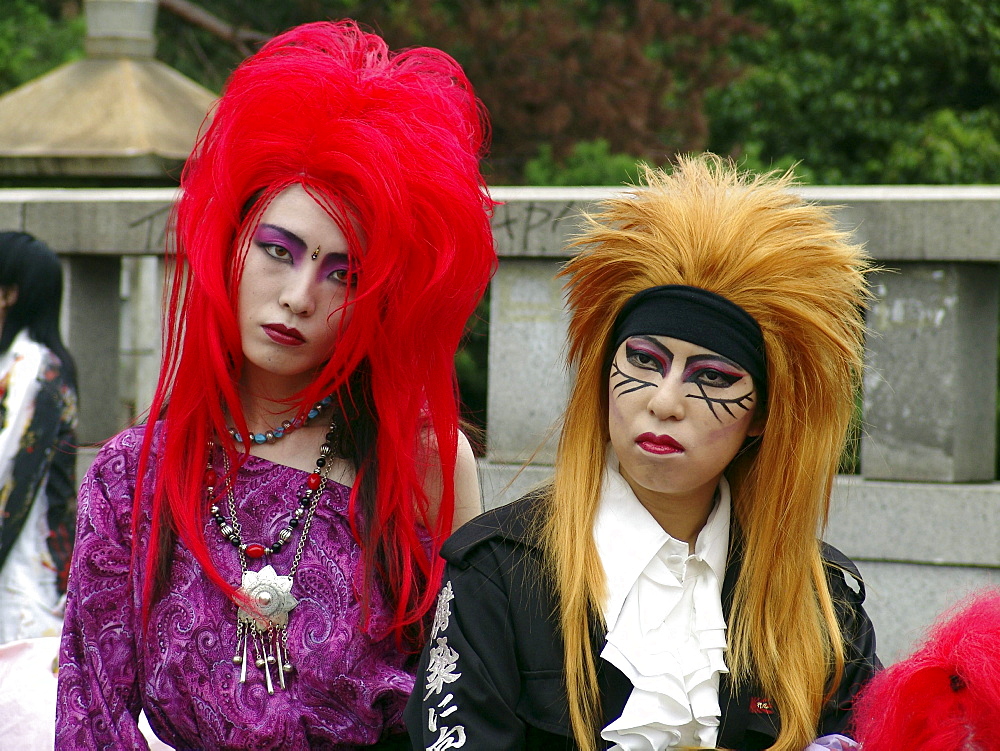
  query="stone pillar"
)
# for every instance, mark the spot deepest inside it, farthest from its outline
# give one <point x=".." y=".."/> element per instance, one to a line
<point x="120" y="28"/>
<point x="931" y="379"/>
<point x="141" y="331"/>
<point x="528" y="380"/>
<point x="93" y="338"/>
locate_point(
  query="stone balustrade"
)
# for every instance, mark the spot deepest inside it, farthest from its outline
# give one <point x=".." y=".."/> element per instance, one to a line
<point x="922" y="518"/>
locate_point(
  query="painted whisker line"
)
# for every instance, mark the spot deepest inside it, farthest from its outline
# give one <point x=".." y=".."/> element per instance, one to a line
<point x="627" y="380"/>
<point x="642" y="385"/>
<point x="742" y="402"/>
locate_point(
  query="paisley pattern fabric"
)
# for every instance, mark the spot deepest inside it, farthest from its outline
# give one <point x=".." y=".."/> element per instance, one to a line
<point x="348" y="688"/>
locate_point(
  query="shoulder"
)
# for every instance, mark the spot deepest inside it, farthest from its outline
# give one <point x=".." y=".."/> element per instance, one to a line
<point x="52" y="366"/>
<point x="105" y="497"/>
<point x="845" y="581"/>
<point x="119" y="455"/>
<point x="53" y="378"/>
<point x="512" y="525"/>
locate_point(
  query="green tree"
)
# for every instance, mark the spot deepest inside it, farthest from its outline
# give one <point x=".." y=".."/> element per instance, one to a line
<point x="894" y="91"/>
<point x="588" y="163"/>
<point x="552" y="73"/>
<point x="33" y="40"/>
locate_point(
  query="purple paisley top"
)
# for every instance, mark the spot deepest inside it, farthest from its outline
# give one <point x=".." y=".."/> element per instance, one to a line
<point x="348" y="689"/>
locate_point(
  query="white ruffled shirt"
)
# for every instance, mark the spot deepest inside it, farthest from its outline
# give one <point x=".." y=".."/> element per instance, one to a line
<point x="663" y="611"/>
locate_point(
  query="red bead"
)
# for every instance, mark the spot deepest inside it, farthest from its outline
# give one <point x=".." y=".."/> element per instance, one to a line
<point x="254" y="550"/>
<point x="313" y="481"/>
<point x="211" y="478"/>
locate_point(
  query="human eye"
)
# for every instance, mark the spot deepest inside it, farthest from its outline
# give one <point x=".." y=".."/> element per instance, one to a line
<point x="276" y="251"/>
<point x="643" y="358"/>
<point x="340" y="271"/>
<point x="715" y="378"/>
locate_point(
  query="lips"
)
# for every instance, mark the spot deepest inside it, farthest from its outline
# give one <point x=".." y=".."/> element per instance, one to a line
<point x="284" y="335"/>
<point x="658" y="444"/>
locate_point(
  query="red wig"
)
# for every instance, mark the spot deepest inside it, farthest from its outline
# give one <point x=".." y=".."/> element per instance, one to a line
<point x="390" y="144"/>
<point x="946" y="696"/>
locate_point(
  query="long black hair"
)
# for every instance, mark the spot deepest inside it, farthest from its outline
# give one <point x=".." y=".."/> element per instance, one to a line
<point x="29" y="265"/>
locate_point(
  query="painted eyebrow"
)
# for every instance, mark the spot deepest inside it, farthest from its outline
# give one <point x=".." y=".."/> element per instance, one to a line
<point x="656" y="345"/>
<point x="695" y="359"/>
<point x="290" y="237"/>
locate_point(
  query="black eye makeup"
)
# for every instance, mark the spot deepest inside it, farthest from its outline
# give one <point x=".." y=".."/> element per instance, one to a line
<point x="715" y="378"/>
<point x="647" y="355"/>
<point x="715" y="373"/>
<point x="740" y="402"/>
<point x="711" y="374"/>
<point x="625" y="383"/>
<point x="644" y="354"/>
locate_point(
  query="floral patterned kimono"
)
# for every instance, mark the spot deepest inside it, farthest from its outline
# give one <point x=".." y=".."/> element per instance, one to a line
<point x="37" y="488"/>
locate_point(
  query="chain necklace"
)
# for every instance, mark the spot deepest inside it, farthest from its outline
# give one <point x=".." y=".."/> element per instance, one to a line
<point x="262" y="622"/>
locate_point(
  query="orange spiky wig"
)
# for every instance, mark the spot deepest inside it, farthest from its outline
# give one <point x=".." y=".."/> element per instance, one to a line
<point x="946" y="695"/>
<point x="750" y="239"/>
<point x="389" y="143"/>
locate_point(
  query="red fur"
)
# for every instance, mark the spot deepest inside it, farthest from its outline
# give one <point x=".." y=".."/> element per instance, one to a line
<point x="914" y="705"/>
<point x="394" y="140"/>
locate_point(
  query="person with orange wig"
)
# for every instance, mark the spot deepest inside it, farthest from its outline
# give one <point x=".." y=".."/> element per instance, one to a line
<point x="668" y="589"/>
<point x="253" y="566"/>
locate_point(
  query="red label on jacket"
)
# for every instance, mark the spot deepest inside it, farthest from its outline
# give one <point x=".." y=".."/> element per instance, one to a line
<point x="761" y="706"/>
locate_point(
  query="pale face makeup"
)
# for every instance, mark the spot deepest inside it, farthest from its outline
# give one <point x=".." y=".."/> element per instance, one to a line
<point x="678" y="414"/>
<point x="291" y="305"/>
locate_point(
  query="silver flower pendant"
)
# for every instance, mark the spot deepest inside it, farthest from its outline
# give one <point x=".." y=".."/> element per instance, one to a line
<point x="261" y="625"/>
<point x="271" y="597"/>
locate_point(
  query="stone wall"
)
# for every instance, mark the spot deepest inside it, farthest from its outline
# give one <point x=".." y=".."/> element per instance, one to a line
<point x="922" y="519"/>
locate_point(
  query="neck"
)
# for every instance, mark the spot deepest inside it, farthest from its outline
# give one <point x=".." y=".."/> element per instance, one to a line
<point x="267" y="399"/>
<point x="682" y="515"/>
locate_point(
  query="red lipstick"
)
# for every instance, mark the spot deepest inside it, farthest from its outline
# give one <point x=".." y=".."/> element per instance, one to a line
<point x="284" y="335"/>
<point x="658" y="444"/>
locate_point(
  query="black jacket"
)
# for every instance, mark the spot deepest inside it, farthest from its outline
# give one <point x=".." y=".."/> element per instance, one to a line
<point x="491" y="676"/>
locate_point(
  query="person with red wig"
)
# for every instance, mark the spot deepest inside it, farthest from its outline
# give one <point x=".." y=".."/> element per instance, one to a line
<point x="254" y="565"/>
<point x="946" y="695"/>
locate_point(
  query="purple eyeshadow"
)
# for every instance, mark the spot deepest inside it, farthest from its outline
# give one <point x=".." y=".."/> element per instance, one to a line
<point x="334" y="262"/>
<point x="269" y="234"/>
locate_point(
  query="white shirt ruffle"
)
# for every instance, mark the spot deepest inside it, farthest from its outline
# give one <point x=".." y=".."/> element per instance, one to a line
<point x="663" y="611"/>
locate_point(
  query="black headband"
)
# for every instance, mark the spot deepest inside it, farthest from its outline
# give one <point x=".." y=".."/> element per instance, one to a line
<point x="698" y="316"/>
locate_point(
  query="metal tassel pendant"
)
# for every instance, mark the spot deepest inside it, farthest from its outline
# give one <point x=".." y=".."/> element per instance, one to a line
<point x="269" y="596"/>
<point x="240" y="658"/>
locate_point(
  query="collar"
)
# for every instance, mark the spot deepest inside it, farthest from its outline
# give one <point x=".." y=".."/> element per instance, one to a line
<point x="628" y="537"/>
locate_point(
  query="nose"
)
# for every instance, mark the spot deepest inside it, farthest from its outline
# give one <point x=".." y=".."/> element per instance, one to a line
<point x="298" y="294"/>
<point x="668" y="400"/>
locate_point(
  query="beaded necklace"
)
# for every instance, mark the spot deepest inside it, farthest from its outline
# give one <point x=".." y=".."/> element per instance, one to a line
<point x="265" y="597"/>
<point x="288" y="426"/>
